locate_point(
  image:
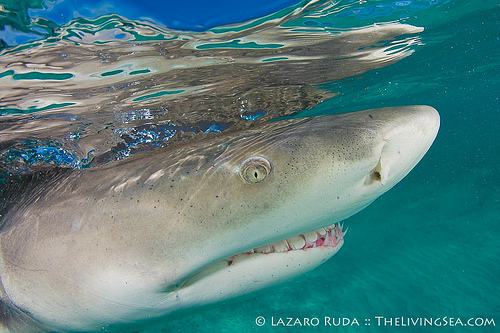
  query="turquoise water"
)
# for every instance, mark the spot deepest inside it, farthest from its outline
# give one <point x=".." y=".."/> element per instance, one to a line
<point x="428" y="248"/>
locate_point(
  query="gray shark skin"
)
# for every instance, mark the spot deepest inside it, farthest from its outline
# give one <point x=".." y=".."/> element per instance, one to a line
<point x="191" y="225"/>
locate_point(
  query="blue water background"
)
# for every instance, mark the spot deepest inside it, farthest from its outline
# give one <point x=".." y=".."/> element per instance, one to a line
<point x="429" y="247"/>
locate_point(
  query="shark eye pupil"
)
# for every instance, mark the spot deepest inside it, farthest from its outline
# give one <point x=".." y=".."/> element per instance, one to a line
<point x="255" y="173"/>
<point x="255" y="169"/>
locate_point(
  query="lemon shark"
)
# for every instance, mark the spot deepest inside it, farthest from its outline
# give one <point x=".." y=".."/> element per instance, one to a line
<point x="199" y="222"/>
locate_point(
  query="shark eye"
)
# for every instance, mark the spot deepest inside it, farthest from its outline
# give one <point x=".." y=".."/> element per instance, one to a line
<point x="255" y="169"/>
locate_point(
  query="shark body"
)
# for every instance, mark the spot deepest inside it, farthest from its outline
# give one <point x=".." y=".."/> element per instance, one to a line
<point x="198" y="223"/>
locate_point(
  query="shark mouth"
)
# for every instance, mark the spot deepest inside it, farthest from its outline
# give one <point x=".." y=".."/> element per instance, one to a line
<point x="262" y="266"/>
<point x="329" y="236"/>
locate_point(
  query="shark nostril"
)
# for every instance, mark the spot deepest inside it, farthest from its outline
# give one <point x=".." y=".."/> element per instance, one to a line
<point x="376" y="174"/>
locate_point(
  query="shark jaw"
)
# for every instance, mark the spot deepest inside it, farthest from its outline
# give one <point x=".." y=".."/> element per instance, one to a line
<point x="262" y="267"/>
<point x="329" y="236"/>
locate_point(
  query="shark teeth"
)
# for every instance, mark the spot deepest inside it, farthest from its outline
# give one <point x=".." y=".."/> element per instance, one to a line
<point x="263" y="249"/>
<point x="330" y="235"/>
<point x="297" y="242"/>
<point x="310" y="237"/>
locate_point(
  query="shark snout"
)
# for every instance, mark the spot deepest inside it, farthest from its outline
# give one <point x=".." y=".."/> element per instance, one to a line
<point x="406" y="137"/>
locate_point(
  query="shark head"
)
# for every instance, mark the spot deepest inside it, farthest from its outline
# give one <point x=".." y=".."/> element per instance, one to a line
<point x="287" y="190"/>
<point x="202" y="222"/>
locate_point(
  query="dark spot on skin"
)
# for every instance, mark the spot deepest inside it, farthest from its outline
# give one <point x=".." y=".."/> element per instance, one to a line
<point x="137" y="200"/>
<point x="376" y="176"/>
<point x="229" y="262"/>
<point x="370" y="116"/>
